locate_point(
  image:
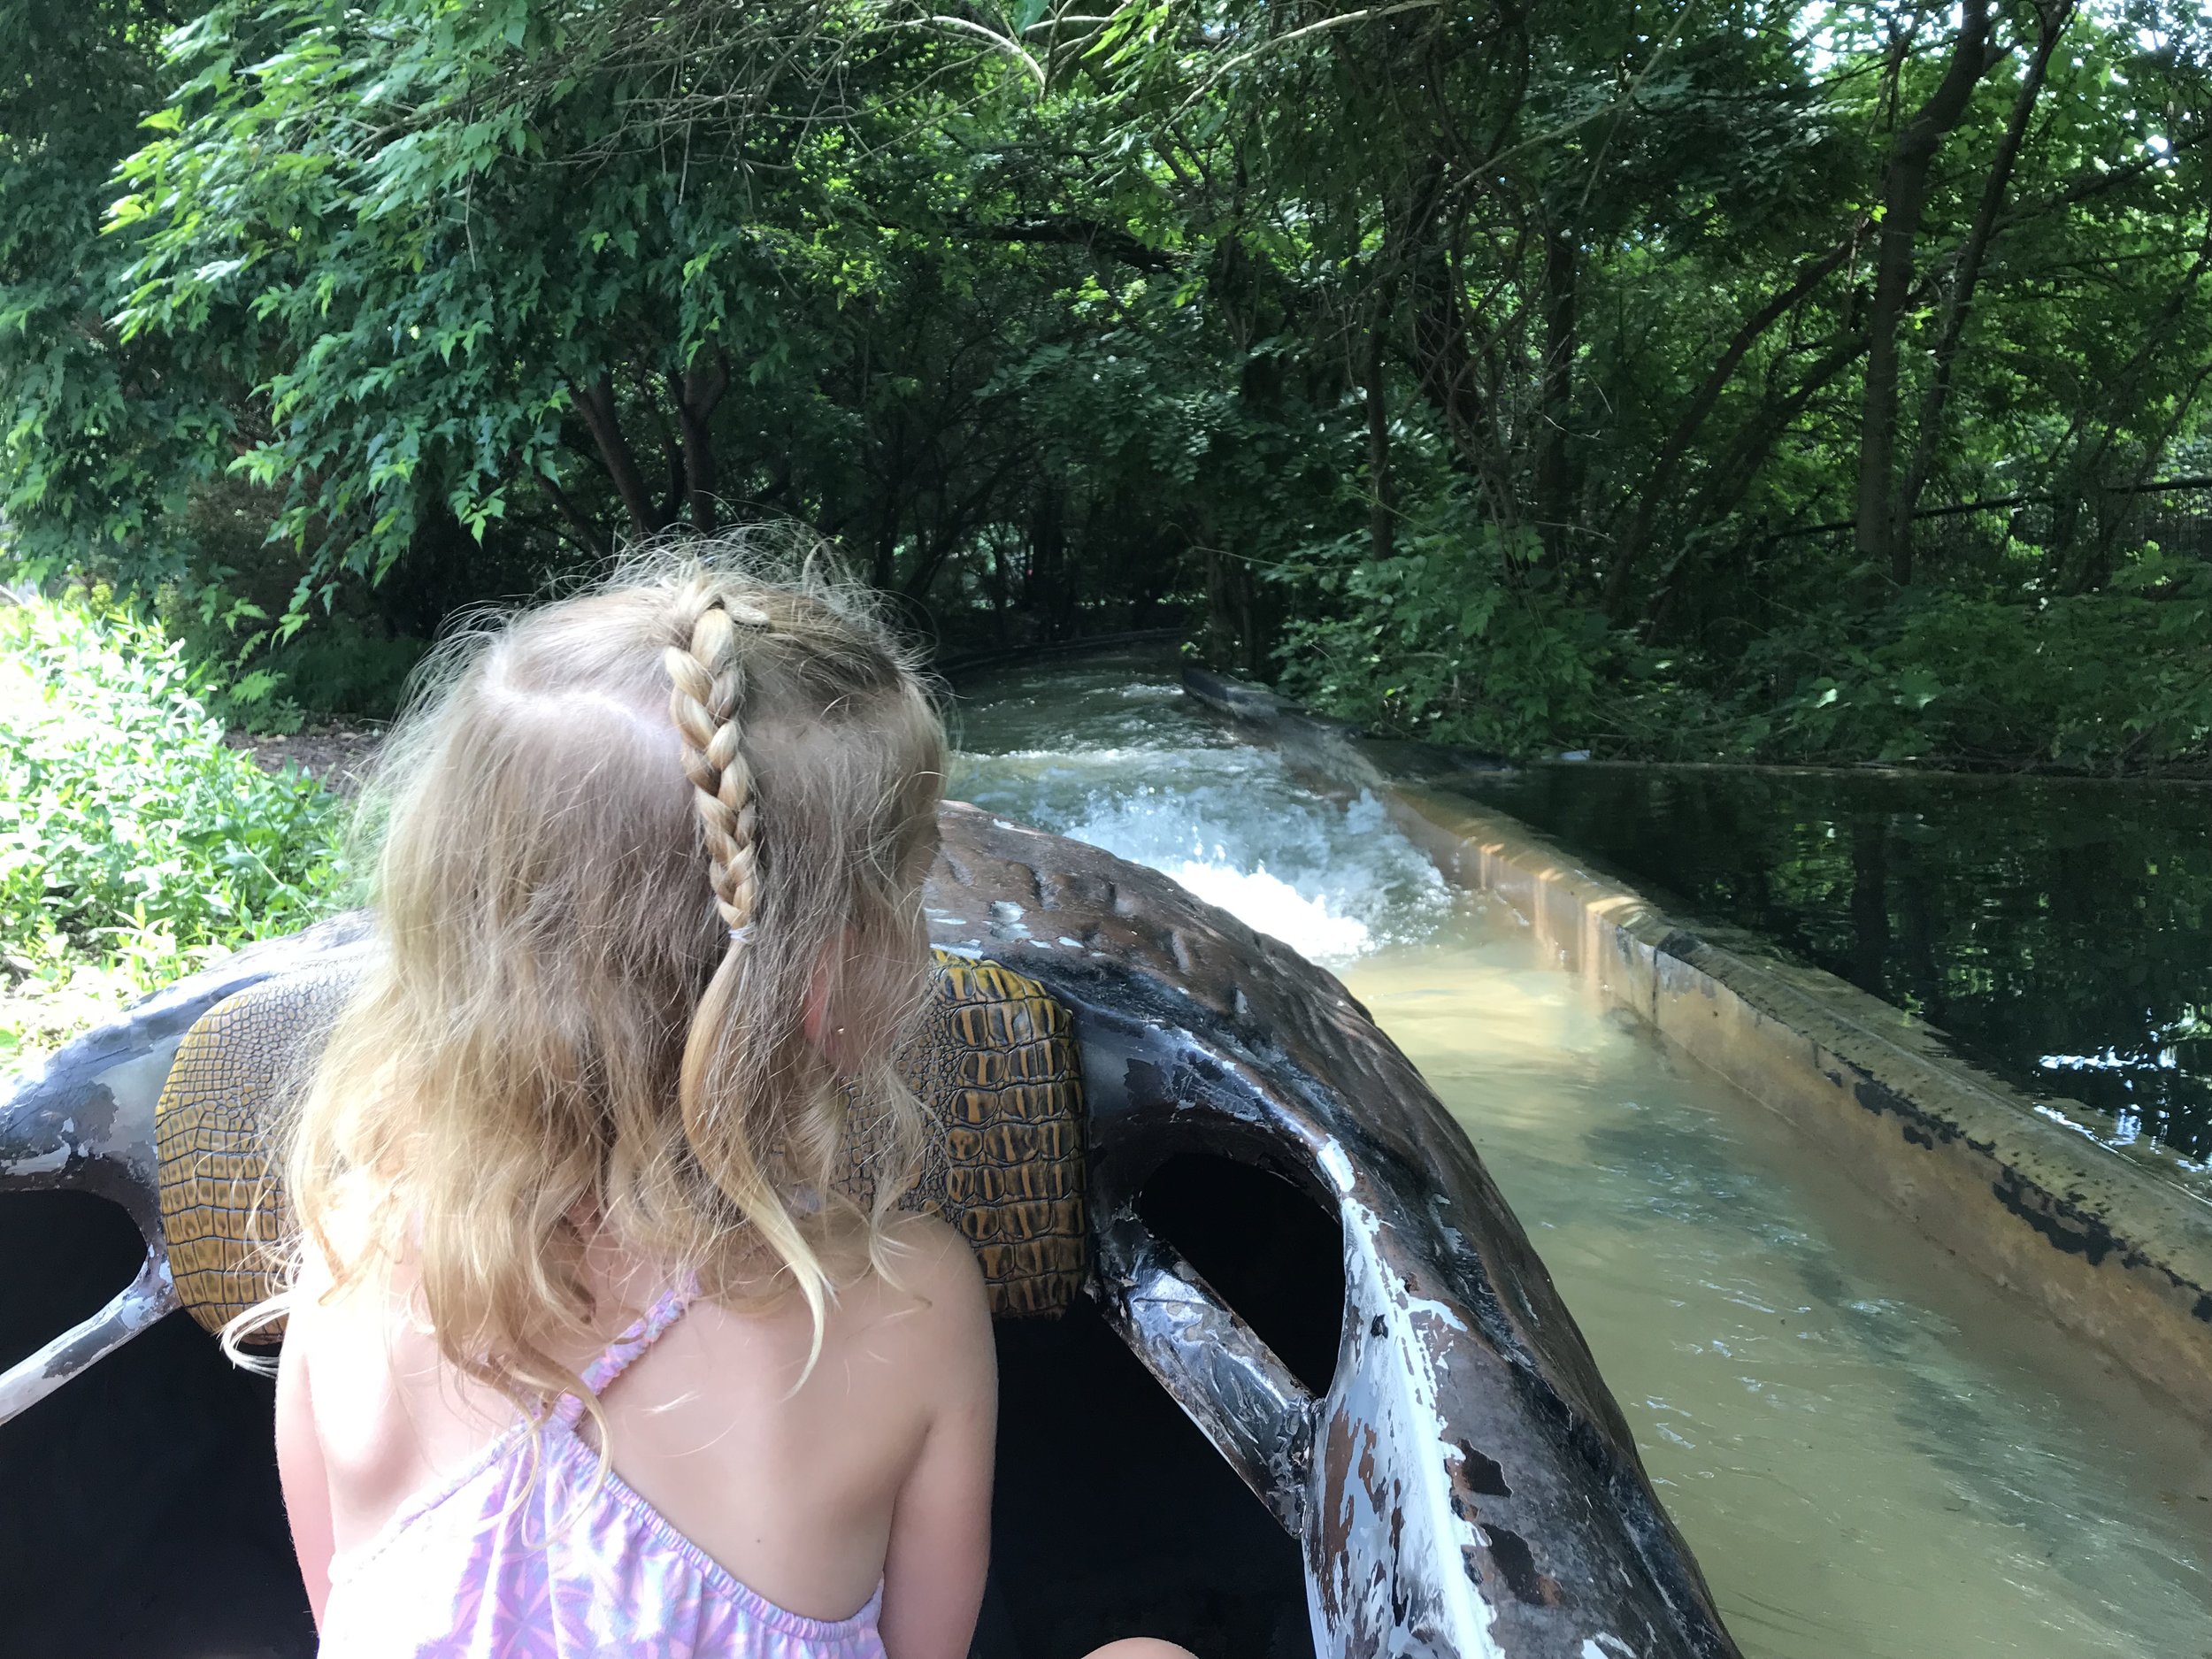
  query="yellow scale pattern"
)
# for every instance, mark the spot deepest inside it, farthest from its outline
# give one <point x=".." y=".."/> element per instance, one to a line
<point x="994" y="1060"/>
<point x="996" y="1064"/>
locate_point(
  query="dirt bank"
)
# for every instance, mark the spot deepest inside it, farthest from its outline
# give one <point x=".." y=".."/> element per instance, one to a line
<point x="339" y="752"/>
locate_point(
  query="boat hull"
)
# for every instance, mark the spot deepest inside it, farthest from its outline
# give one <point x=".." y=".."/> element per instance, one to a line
<point x="1466" y="1484"/>
<point x="1434" y="1436"/>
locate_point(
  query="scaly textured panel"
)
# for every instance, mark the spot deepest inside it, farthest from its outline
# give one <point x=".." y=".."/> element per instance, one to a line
<point x="222" y="1210"/>
<point x="994" y="1061"/>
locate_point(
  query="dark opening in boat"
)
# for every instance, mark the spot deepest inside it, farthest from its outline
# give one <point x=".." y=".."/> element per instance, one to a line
<point x="1274" y="1255"/>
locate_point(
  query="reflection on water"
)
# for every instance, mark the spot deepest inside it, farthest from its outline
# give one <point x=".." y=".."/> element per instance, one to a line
<point x="2056" y="927"/>
<point x="1871" y="1452"/>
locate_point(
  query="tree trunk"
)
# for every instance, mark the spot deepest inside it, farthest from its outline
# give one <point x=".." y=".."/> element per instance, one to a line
<point x="1382" y="515"/>
<point x="1448" y="373"/>
<point x="1051" y="588"/>
<point x="1904" y="195"/>
<point x="595" y="403"/>
<point x="1238" y="615"/>
<point x="1630" y="550"/>
<point x="697" y="392"/>
<point x="2052" y="18"/>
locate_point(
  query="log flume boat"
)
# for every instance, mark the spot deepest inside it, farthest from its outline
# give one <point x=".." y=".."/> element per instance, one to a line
<point x="1197" y="1176"/>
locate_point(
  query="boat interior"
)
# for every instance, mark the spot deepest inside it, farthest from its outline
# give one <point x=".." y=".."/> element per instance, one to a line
<point x="144" y="1522"/>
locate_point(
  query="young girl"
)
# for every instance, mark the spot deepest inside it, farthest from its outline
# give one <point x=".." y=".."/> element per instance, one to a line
<point x="586" y="1353"/>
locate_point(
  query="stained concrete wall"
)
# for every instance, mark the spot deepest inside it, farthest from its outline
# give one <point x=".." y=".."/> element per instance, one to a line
<point x="2113" y="1246"/>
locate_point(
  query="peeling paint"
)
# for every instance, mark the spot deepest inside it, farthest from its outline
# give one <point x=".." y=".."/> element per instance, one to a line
<point x="1395" y="1502"/>
<point x="1336" y="1166"/>
<point x="45" y="1164"/>
<point x="149" y="1297"/>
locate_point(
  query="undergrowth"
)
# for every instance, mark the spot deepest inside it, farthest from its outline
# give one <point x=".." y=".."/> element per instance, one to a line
<point x="134" y="846"/>
<point x="1462" y="639"/>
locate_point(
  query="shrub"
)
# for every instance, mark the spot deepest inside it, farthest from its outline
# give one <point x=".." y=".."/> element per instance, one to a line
<point x="2104" y="682"/>
<point x="1462" y="638"/>
<point x="1443" y="641"/>
<point x="133" y="845"/>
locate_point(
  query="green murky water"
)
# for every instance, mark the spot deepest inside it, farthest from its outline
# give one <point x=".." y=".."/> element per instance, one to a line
<point x="2060" y="930"/>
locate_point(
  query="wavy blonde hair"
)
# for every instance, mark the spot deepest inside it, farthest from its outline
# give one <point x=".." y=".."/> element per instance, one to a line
<point x="624" y="837"/>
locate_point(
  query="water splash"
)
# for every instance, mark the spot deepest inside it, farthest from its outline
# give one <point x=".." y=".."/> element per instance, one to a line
<point x="1132" y="768"/>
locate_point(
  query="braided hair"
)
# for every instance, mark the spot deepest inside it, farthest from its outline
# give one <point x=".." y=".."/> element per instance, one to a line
<point x="627" y="841"/>
<point x="708" y="676"/>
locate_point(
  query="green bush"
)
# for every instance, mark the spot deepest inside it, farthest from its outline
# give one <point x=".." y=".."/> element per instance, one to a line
<point x="1461" y="638"/>
<point x="133" y="845"/>
<point x="1443" y="641"/>
<point x="2109" y="681"/>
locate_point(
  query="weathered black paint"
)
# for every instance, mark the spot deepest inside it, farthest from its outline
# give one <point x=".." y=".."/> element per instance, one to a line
<point x="1200" y="1034"/>
<point x="1467" y="1485"/>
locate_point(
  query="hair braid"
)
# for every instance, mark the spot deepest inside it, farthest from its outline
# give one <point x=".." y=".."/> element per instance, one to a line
<point x="708" y="677"/>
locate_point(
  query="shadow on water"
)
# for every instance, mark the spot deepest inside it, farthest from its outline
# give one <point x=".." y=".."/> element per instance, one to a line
<point x="2055" y="928"/>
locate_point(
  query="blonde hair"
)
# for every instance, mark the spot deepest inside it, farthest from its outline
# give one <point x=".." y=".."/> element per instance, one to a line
<point x="627" y="837"/>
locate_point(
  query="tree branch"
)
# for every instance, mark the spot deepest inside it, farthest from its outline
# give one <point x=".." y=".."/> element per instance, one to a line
<point x="1904" y="196"/>
<point x="595" y="403"/>
<point x="1107" y="241"/>
<point x="1630" y="550"/>
<point x="2052" y="18"/>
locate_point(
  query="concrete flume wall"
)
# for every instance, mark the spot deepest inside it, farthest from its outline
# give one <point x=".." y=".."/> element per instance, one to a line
<point x="2113" y="1247"/>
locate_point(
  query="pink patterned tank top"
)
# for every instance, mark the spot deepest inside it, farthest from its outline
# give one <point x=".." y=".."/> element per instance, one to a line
<point x="524" y="1558"/>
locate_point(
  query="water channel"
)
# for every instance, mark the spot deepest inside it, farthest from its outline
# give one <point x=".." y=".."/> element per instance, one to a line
<point x="1873" y="1452"/>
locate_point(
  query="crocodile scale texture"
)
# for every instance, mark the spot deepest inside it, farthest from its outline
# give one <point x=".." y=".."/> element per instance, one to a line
<point x="994" y="1061"/>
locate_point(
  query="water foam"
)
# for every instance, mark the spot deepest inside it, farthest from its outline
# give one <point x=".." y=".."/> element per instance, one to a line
<point x="1141" y="776"/>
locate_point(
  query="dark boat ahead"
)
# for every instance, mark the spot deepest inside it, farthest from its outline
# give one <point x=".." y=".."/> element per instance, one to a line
<point x="1198" y="1178"/>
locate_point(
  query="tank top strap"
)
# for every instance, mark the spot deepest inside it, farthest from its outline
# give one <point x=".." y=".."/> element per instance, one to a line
<point x="623" y="1352"/>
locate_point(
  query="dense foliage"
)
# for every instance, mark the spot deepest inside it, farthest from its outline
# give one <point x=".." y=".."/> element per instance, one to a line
<point x="1577" y="375"/>
<point x="133" y="843"/>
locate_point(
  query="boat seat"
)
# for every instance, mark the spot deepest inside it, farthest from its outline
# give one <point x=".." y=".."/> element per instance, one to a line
<point x="994" y="1061"/>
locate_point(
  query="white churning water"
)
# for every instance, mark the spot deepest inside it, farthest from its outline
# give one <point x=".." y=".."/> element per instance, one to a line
<point x="1127" y="765"/>
<point x="1874" y="1455"/>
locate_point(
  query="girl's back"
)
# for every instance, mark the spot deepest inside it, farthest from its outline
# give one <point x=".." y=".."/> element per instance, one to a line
<point x="725" y="1445"/>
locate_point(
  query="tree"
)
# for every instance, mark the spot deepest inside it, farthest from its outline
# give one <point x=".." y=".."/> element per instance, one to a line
<point x="1447" y="359"/>
<point x="102" y="446"/>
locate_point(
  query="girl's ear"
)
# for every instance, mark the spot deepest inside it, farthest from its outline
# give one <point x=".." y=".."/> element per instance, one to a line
<point x="822" y="1021"/>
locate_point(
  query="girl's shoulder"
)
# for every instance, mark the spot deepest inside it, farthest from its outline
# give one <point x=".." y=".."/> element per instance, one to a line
<point x="923" y="1300"/>
<point x="914" y="1327"/>
<point x="930" y="1264"/>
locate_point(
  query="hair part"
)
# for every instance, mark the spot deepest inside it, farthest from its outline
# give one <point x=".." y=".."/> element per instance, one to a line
<point x="624" y="836"/>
